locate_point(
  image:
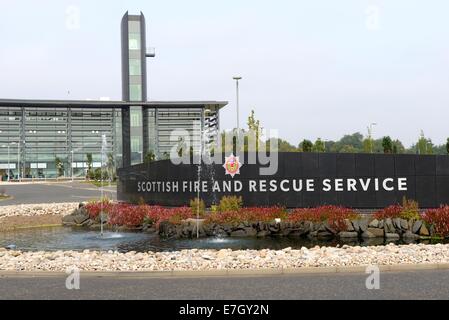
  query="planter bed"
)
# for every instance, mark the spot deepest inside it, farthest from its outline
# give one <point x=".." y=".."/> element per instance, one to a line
<point x="341" y="224"/>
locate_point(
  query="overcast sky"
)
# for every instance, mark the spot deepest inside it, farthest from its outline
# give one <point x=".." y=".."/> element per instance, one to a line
<point x="320" y="68"/>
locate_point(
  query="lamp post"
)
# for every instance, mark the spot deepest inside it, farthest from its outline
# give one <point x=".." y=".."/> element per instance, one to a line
<point x="237" y="79"/>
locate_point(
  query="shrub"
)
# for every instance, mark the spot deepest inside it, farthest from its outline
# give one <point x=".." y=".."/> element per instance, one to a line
<point x="391" y="212"/>
<point x="306" y="145"/>
<point x="249" y="215"/>
<point x="408" y="210"/>
<point x="141" y="201"/>
<point x="177" y="215"/>
<point x="197" y="206"/>
<point x="439" y="220"/>
<point x="335" y="216"/>
<point x="127" y="215"/>
<point x="94" y="208"/>
<point x="230" y="203"/>
<point x="156" y="215"/>
<point x="264" y="214"/>
<point x="131" y="215"/>
<point x="99" y="174"/>
<point x="387" y="145"/>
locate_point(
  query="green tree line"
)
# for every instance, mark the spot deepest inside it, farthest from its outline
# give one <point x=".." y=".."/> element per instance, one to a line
<point x="350" y="143"/>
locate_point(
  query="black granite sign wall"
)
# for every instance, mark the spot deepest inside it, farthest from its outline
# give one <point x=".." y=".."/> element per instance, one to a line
<point x="302" y="180"/>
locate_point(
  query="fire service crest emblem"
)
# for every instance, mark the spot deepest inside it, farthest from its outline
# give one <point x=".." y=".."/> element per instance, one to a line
<point x="232" y="165"/>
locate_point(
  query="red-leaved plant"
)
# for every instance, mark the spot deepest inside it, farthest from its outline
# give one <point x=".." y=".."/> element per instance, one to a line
<point x="391" y="212"/>
<point x="127" y="215"/>
<point x="439" y="219"/>
<point x="251" y="215"/>
<point x="123" y="214"/>
<point x="94" y="208"/>
<point x="335" y="216"/>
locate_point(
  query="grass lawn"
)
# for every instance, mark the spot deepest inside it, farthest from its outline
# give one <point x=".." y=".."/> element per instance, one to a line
<point x="4" y="197"/>
<point x="98" y="183"/>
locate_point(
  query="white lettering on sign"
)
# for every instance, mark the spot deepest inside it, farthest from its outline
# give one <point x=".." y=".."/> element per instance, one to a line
<point x="402" y="184"/>
<point x="273" y="185"/>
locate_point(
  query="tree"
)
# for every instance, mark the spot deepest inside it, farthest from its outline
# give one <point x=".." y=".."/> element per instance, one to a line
<point x="255" y="129"/>
<point x="110" y="164"/>
<point x="165" y="156"/>
<point x="149" y="157"/>
<point x="424" y="145"/>
<point x="59" y="166"/>
<point x="429" y="146"/>
<point x="253" y="123"/>
<point x="181" y="147"/>
<point x="355" y="140"/>
<point x="348" y="149"/>
<point x="306" y="145"/>
<point x="398" y="147"/>
<point x="282" y="145"/>
<point x="368" y="143"/>
<point x="319" y="146"/>
<point x="395" y="148"/>
<point x="447" y="146"/>
<point x="387" y="144"/>
<point x="89" y="162"/>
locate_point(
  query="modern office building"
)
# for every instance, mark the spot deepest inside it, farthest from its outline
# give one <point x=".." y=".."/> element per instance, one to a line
<point x="50" y="138"/>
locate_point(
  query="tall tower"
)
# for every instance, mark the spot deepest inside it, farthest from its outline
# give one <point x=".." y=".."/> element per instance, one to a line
<point x="134" y="87"/>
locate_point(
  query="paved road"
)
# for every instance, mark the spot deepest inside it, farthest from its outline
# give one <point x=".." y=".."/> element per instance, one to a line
<point x="53" y="192"/>
<point x="394" y="286"/>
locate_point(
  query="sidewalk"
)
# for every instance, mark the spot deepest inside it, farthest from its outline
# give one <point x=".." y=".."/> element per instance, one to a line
<point x="17" y="183"/>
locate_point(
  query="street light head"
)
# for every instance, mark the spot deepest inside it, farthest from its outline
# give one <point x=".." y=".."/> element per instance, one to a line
<point x="237" y="78"/>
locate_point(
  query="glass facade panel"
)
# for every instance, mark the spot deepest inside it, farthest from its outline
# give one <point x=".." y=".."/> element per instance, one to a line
<point x="10" y="137"/>
<point x="48" y="134"/>
<point x="136" y="144"/>
<point x="170" y="119"/>
<point x="36" y="136"/>
<point x="134" y="26"/>
<point x="135" y="67"/>
<point x="136" y="128"/>
<point x="135" y="92"/>
<point x="134" y="41"/>
<point x="152" y="133"/>
<point x="118" y="145"/>
<point x="135" y="54"/>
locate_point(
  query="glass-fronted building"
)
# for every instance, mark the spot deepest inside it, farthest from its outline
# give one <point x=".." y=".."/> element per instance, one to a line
<point x="47" y="139"/>
<point x="36" y="136"/>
